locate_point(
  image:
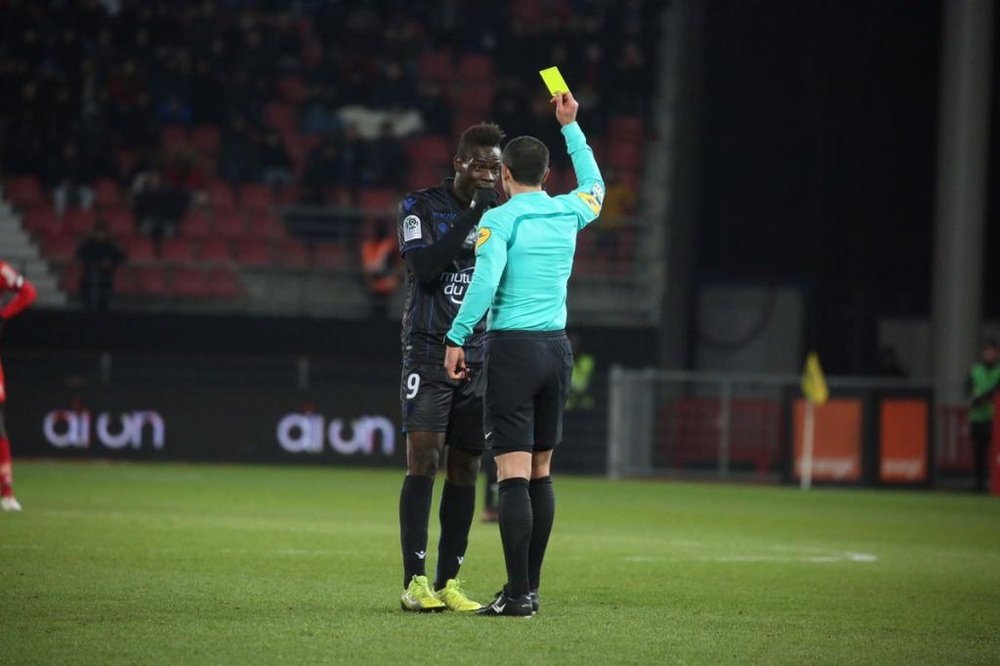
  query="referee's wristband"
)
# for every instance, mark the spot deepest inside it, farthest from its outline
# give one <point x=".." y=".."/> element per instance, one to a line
<point x="448" y="342"/>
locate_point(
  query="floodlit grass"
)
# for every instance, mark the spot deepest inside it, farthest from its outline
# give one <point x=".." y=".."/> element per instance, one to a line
<point x="183" y="564"/>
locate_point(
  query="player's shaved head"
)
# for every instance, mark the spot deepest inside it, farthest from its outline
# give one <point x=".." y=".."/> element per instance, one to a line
<point x="527" y="159"/>
<point x="482" y="135"/>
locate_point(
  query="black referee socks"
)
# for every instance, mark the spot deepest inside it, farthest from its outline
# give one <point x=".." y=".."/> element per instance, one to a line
<point x="414" y="514"/>
<point x="543" y="510"/>
<point x="514" y="508"/>
<point x="458" y="504"/>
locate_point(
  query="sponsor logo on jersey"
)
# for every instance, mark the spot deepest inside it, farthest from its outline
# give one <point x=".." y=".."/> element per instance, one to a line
<point x="591" y="202"/>
<point x="411" y="228"/>
<point x="484" y="235"/>
<point x="456" y="284"/>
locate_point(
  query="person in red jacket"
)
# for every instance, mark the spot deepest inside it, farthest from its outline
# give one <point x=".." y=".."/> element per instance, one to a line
<point x="11" y="282"/>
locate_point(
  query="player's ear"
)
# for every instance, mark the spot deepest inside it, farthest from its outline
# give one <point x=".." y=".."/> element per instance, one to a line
<point x="456" y="163"/>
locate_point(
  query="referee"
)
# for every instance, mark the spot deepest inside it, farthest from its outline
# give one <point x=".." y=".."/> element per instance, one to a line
<point x="524" y="257"/>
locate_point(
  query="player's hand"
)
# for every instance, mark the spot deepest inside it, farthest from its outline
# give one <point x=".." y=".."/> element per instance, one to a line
<point x="485" y="198"/>
<point x="454" y="362"/>
<point x="566" y="108"/>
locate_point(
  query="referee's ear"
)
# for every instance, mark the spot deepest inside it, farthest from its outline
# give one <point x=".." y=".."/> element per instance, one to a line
<point x="545" y="177"/>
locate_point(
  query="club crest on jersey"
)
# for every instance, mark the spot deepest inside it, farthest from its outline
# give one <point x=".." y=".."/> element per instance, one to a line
<point x="411" y="228"/>
<point x="484" y="235"/>
<point x="591" y="202"/>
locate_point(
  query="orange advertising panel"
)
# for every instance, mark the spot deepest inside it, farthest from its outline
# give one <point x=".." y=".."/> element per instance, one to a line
<point x="903" y="439"/>
<point x="837" y="441"/>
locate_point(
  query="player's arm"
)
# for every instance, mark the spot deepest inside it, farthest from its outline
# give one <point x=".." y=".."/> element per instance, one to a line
<point x="588" y="197"/>
<point x="491" y="259"/>
<point x="426" y="259"/>
<point x="24" y="292"/>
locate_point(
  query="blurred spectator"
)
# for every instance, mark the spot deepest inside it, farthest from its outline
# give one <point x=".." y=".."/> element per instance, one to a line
<point x="984" y="382"/>
<point x="379" y="266"/>
<point x="239" y="157"/>
<point x="100" y="256"/>
<point x="277" y="167"/>
<point x="173" y="111"/>
<point x="583" y="372"/>
<point x="156" y="206"/>
<point x="70" y="180"/>
<point x="324" y="169"/>
<point x="385" y="163"/>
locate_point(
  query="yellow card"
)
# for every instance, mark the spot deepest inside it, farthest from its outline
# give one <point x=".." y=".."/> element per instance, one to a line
<point x="554" y="80"/>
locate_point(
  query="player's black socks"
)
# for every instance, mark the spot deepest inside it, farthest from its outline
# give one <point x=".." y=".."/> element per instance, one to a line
<point x="414" y="514"/>
<point x="515" y="533"/>
<point x="458" y="504"/>
<point x="543" y="511"/>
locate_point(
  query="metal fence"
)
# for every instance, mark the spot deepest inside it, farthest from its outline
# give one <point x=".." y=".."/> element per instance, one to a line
<point x="740" y="426"/>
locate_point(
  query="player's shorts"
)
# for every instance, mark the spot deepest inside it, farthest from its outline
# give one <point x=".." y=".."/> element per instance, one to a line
<point x="3" y="389"/>
<point x="527" y="382"/>
<point x="434" y="402"/>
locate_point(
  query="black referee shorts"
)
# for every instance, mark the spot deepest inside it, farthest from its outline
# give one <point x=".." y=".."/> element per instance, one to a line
<point x="527" y="381"/>
<point x="433" y="402"/>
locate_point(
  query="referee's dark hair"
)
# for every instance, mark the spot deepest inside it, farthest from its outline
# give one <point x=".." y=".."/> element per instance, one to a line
<point x="527" y="158"/>
<point x="484" y="135"/>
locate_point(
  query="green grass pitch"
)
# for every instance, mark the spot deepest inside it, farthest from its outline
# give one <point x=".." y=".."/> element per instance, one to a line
<point x="191" y="564"/>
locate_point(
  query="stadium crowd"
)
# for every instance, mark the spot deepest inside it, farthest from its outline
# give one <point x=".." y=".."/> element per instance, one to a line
<point x="317" y="101"/>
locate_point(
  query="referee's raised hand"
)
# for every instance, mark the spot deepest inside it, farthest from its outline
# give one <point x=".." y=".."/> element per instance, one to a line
<point x="566" y="108"/>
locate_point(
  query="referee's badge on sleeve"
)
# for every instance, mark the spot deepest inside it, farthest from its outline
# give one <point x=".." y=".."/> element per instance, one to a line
<point x="411" y="228"/>
<point x="591" y="202"/>
<point x="484" y="235"/>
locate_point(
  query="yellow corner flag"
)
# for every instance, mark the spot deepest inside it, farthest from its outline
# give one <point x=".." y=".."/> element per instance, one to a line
<point x="813" y="381"/>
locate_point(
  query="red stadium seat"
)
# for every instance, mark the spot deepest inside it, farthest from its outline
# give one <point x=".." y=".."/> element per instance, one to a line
<point x="292" y="90"/>
<point x="215" y="250"/>
<point x="477" y="99"/>
<point x="378" y="202"/>
<point x="280" y="117"/>
<point x="436" y="67"/>
<point x="120" y="223"/>
<point x="223" y="283"/>
<point x="331" y="256"/>
<point x="267" y="226"/>
<point x="206" y="139"/>
<point x="127" y="281"/>
<point x="69" y="282"/>
<point x="196" y="224"/>
<point x="59" y="247"/>
<point x="430" y="151"/>
<point x="173" y="137"/>
<point x="41" y="220"/>
<point x="177" y="250"/>
<point x="138" y="249"/>
<point x="230" y="225"/>
<point x="626" y="128"/>
<point x="152" y="281"/>
<point x="107" y="193"/>
<point x="253" y="252"/>
<point x="292" y="254"/>
<point x="23" y="192"/>
<point x="476" y="67"/>
<point x="220" y="196"/>
<point x="79" y="221"/>
<point x="189" y="283"/>
<point x="625" y="156"/>
<point x="256" y="197"/>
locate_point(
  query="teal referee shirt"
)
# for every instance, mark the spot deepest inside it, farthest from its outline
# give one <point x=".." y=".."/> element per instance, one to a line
<point x="524" y="252"/>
